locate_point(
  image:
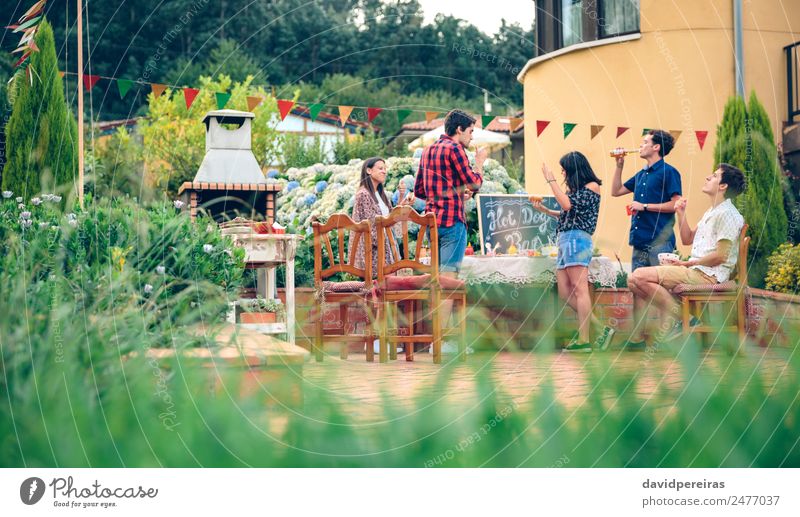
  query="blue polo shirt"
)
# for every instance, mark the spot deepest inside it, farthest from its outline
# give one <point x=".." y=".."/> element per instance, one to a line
<point x="653" y="185"/>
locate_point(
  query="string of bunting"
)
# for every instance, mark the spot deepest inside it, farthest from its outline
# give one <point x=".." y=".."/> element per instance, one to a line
<point x="345" y="111"/>
<point x="27" y="24"/>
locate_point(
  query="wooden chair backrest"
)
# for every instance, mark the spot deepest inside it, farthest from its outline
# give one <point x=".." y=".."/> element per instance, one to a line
<point x="740" y="271"/>
<point x="342" y="262"/>
<point x="403" y="215"/>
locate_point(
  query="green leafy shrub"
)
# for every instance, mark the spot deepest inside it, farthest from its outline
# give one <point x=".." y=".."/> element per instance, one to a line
<point x="783" y="274"/>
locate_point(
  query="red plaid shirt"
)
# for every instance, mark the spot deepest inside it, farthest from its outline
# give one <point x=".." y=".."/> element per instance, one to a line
<point x="444" y="173"/>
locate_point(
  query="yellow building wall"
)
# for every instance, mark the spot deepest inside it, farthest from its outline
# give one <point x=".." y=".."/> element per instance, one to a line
<point x="677" y="76"/>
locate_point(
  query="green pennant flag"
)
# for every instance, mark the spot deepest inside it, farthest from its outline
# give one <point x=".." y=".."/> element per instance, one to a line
<point x="645" y="131"/>
<point x="222" y="99"/>
<point x="568" y="127"/>
<point x="486" y="120"/>
<point x="402" y="115"/>
<point x="124" y="85"/>
<point x="314" y="109"/>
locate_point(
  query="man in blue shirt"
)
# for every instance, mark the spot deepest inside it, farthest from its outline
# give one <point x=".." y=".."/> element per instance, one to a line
<point x="655" y="190"/>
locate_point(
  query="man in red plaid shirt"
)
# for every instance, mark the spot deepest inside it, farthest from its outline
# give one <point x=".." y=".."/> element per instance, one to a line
<point x="444" y="180"/>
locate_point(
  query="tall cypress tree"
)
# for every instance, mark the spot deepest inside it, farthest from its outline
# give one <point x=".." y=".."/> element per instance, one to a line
<point x="745" y="140"/>
<point x="41" y="134"/>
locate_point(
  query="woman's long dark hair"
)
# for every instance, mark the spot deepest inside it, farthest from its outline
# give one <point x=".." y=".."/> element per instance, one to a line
<point x="366" y="180"/>
<point x="578" y="170"/>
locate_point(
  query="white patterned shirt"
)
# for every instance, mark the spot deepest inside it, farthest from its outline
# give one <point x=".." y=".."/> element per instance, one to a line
<point x="722" y="222"/>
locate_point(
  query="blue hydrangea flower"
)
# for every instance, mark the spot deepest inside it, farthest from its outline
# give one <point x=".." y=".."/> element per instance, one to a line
<point x="273" y="173"/>
<point x="292" y="185"/>
<point x="310" y="199"/>
<point x="321" y="185"/>
<point x="395" y="197"/>
<point x="419" y="205"/>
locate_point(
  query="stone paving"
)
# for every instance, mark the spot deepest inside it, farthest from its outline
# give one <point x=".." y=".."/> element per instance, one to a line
<point x="361" y="387"/>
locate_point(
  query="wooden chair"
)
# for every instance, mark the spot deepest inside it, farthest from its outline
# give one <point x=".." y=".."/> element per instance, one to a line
<point x="695" y="298"/>
<point x="343" y="294"/>
<point x="412" y="292"/>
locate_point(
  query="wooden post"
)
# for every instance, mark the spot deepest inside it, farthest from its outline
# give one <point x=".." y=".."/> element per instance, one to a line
<point x="80" y="103"/>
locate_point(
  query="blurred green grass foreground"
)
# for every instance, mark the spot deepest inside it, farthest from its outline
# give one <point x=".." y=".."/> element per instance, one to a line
<point x="86" y="295"/>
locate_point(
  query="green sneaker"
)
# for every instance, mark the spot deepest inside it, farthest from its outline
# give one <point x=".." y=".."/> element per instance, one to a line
<point x="574" y="346"/>
<point x="635" y="345"/>
<point x="604" y="339"/>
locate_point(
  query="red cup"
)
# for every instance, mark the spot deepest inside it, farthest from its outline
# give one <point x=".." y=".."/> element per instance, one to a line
<point x="629" y="210"/>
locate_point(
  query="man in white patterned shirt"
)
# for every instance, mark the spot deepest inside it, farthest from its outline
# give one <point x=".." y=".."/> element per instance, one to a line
<point x="715" y="246"/>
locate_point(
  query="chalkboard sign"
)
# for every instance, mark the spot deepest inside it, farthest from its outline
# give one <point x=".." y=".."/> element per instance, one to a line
<point x="511" y="219"/>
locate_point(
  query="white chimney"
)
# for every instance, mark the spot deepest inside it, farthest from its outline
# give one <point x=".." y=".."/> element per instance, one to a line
<point x="229" y="154"/>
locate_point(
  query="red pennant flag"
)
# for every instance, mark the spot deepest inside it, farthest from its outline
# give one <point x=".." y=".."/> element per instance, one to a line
<point x="158" y="89"/>
<point x="541" y="125"/>
<point x="253" y="102"/>
<point x="33" y="46"/>
<point x="344" y="113"/>
<point x="61" y="74"/>
<point x="701" y="138"/>
<point x="372" y="113"/>
<point x="285" y="107"/>
<point x="188" y="95"/>
<point x="621" y="130"/>
<point x="89" y="81"/>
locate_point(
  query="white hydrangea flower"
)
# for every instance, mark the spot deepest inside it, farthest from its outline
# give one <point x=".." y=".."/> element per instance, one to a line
<point x="178" y="204"/>
<point x="161" y="270"/>
<point x="7" y="194"/>
<point x="148" y="288"/>
<point x="36" y="201"/>
<point x="208" y="248"/>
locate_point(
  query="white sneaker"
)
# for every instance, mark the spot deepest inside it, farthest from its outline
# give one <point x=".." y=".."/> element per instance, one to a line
<point x="376" y="347"/>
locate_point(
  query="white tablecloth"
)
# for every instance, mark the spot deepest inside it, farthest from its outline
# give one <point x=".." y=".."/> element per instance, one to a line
<point x="529" y="270"/>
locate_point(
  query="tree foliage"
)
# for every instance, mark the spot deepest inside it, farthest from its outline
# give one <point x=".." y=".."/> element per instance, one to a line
<point x="41" y="134"/>
<point x="746" y="141"/>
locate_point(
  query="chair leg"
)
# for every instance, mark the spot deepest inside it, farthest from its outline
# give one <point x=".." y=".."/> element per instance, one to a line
<point x="369" y="332"/>
<point x="437" y="326"/>
<point x="384" y="339"/>
<point x="462" y="342"/>
<point x="409" y="346"/>
<point x="343" y="346"/>
<point x="685" y="314"/>
<point x="318" y="329"/>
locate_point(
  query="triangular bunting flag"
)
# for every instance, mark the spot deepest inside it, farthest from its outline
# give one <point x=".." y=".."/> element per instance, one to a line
<point x="541" y="125"/>
<point x="124" y="85"/>
<point x="61" y="74"/>
<point x="486" y="120"/>
<point x="568" y="127"/>
<point x="314" y="109"/>
<point x="188" y="96"/>
<point x="402" y="115"/>
<point x="621" y="130"/>
<point x="344" y="113"/>
<point x="33" y="11"/>
<point x="430" y="116"/>
<point x="595" y="130"/>
<point x="222" y="99"/>
<point x="676" y="134"/>
<point x="372" y="113"/>
<point x="33" y="46"/>
<point x="157" y="89"/>
<point x="645" y="131"/>
<point x="514" y="123"/>
<point x="89" y="81"/>
<point x="285" y="107"/>
<point x="253" y="102"/>
<point x="701" y="138"/>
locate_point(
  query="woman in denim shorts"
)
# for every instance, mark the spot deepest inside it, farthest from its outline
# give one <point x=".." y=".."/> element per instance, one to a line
<point x="577" y="221"/>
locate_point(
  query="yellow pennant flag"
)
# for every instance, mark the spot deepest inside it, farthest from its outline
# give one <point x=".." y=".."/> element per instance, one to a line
<point x="430" y="116"/>
<point x="158" y="89"/>
<point x="344" y="113"/>
<point x="513" y="124"/>
<point x="253" y="102"/>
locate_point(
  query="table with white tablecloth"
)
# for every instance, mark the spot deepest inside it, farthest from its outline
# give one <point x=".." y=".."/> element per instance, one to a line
<point x="522" y="270"/>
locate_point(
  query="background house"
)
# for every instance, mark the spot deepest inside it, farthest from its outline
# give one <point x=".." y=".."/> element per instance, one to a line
<point x="648" y="64"/>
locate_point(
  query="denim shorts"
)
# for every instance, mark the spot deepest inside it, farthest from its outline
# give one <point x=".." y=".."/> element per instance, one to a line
<point x="574" y="249"/>
<point x="452" y="243"/>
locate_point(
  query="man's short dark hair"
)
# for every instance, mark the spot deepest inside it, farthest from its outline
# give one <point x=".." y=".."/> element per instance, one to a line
<point x="734" y="178"/>
<point x="457" y="119"/>
<point x="664" y="139"/>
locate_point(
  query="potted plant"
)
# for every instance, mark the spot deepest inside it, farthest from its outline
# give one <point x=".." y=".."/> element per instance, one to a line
<point x="261" y="311"/>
